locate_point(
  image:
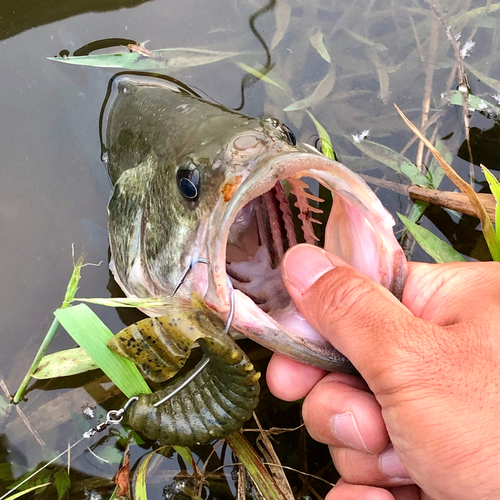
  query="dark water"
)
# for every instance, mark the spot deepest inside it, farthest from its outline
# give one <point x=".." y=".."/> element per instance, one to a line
<point x="54" y="189"/>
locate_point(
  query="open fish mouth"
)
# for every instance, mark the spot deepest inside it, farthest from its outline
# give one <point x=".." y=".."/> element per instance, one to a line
<point x="251" y="233"/>
<point x="193" y="180"/>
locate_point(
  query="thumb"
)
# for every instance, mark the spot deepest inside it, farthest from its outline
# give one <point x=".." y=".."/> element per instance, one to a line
<point x="359" y="317"/>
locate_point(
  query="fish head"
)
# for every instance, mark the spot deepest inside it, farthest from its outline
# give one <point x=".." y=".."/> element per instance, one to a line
<point x="213" y="199"/>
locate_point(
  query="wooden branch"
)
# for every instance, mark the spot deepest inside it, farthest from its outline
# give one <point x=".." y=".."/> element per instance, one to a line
<point x="447" y="199"/>
<point x="453" y="201"/>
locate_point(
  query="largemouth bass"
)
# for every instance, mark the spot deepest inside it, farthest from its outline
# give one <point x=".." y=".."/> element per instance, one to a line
<point x="200" y="186"/>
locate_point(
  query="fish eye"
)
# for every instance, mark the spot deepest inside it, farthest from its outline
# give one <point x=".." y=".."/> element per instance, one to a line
<point x="188" y="183"/>
<point x="290" y="135"/>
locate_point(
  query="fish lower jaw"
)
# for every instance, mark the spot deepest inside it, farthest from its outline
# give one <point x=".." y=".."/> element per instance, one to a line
<point x="288" y="333"/>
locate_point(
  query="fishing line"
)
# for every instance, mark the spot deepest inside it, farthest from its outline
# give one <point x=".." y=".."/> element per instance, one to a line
<point x="249" y="80"/>
<point x="113" y="417"/>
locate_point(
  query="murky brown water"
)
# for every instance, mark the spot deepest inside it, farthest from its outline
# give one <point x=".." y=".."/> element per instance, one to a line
<point x="54" y="188"/>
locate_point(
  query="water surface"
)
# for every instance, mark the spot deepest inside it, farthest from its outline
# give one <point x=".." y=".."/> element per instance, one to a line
<point x="54" y="188"/>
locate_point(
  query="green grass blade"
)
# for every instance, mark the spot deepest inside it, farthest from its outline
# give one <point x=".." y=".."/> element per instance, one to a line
<point x="140" y="482"/>
<point x="318" y="42"/>
<point x="136" y="303"/>
<point x="416" y="213"/>
<point x="68" y="297"/>
<point x="418" y="210"/>
<point x="74" y="281"/>
<point x="64" y="363"/>
<point x="188" y="458"/>
<point x="253" y="464"/>
<point x="459" y="21"/>
<point x="24" y="492"/>
<point x="160" y="59"/>
<point x="436" y="172"/>
<point x="474" y="102"/>
<point x="492" y="82"/>
<point x="495" y="190"/>
<point x="393" y="160"/>
<point x="325" y="86"/>
<point x="115" y="492"/>
<point x="92" y="334"/>
<point x="487" y="226"/>
<point x="140" y="492"/>
<point x="439" y="250"/>
<point x="326" y="143"/>
<point x="258" y="74"/>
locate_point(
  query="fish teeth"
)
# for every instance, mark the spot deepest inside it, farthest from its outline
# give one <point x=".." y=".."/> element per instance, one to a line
<point x="298" y="190"/>
<point x="287" y="214"/>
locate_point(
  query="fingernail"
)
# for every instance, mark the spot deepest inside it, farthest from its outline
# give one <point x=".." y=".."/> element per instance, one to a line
<point x="305" y="264"/>
<point x="391" y="466"/>
<point x="346" y="430"/>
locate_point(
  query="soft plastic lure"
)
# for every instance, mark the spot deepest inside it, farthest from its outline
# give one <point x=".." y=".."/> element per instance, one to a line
<point x="215" y="403"/>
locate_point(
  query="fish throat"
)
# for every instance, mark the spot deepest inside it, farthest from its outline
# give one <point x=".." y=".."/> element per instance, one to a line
<point x="262" y="232"/>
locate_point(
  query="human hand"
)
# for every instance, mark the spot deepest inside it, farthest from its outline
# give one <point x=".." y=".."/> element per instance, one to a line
<point x="423" y="424"/>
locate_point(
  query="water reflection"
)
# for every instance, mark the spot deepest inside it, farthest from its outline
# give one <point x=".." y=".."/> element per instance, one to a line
<point x="22" y="15"/>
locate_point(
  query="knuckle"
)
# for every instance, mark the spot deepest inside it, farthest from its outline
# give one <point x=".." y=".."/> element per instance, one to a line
<point x="341" y="292"/>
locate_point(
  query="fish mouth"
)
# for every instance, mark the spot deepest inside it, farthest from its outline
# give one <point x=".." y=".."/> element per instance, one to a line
<point x="259" y="223"/>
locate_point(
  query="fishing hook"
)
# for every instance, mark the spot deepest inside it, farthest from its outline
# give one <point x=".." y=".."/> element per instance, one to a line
<point x="200" y="368"/>
<point x="186" y="272"/>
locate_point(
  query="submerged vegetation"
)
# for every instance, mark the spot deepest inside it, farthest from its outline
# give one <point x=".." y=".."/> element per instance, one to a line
<point x="334" y="73"/>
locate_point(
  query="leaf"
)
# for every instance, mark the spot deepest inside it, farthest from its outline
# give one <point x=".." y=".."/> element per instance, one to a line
<point x="323" y="89"/>
<point x="62" y="482"/>
<point x="439" y="250"/>
<point x="418" y="210"/>
<point x="122" y="477"/>
<point x="495" y="190"/>
<point x="494" y="84"/>
<point x="282" y="13"/>
<point x="69" y="296"/>
<point x="113" y="495"/>
<point x="393" y="160"/>
<point x="436" y="173"/>
<point x="74" y="281"/>
<point x="258" y="74"/>
<point x="487" y="226"/>
<point x="140" y="492"/>
<point x="64" y="364"/>
<point x="188" y="458"/>
<point x="362" y="39"/>
<point x="326" y="143"/>
<point x="474" y="102"/>
<point x="24" y="492"/>
<point x="161" y="59"/>
<point x="318" y="42"/>
<point x="382" y="71"/>
<point x="92" y="335"/>
<point x="461" y="20"/>
<point x="135" y="302"/>
<point x="253" y="464"/>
